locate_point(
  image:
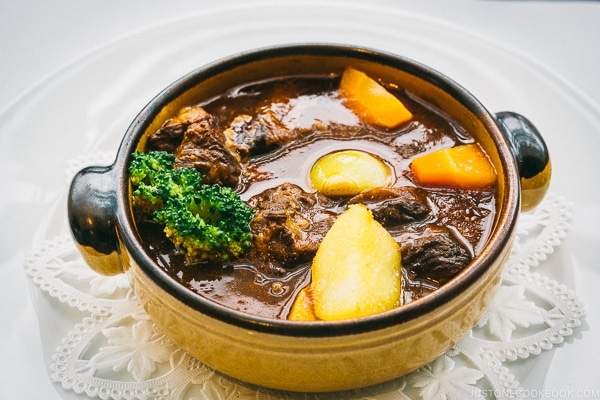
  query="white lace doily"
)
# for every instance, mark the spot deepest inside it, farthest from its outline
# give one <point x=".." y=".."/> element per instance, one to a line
<point x="116" y="352"/>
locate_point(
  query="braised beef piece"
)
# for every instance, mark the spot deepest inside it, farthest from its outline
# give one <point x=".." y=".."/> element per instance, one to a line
<point x="198" y="142"/>
<point x="168" y="137"/>
<point x="203" y="148"/>
<point x="468" y="212"/>
<point x="434" y="254"/>
<point x="288" y="226"/>
<point x="395" y="205"/>
<point x="248" y="136"/>
<point x="245" y="135"/>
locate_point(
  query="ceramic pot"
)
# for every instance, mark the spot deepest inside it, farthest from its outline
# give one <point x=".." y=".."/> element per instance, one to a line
<point x="311" y="356"/>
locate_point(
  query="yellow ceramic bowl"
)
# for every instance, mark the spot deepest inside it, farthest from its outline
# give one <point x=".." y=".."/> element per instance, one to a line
<point x="311" y="356"/>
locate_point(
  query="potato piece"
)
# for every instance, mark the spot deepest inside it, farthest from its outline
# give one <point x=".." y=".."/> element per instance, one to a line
<point x="349" y="172"/>
<point x="465" y="167"/>
<point x="370" y="101"/>
<point x="303" y="309"/>
<point x="356" y="271"/>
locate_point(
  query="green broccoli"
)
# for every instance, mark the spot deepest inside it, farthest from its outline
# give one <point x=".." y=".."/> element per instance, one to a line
<point x="154" y="179"/>
<point x="145" y="166"/>
<point x="211" y="222"/>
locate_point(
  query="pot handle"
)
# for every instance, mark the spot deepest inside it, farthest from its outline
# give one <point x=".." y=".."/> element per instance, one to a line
<point x="91" y="210"/>
<point x="532" y="156"/>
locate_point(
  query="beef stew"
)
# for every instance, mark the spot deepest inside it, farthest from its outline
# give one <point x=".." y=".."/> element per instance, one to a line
<point x="263" y="138"/>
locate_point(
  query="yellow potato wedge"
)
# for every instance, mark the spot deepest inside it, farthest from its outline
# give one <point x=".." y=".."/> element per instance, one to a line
<point x="302" y="308"/>
<point x="357" y="269"/>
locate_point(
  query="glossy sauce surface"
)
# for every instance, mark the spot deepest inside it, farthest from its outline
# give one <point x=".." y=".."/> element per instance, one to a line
<point x="311" y="107"/>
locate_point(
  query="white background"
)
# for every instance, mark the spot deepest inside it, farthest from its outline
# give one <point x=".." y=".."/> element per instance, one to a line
<point x="39" y="38"/>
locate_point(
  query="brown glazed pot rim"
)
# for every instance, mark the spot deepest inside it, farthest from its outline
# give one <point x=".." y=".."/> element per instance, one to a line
<point x="498" y="240"/>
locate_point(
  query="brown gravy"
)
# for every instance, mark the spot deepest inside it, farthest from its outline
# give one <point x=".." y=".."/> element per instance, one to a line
<point x="311" y="107"/>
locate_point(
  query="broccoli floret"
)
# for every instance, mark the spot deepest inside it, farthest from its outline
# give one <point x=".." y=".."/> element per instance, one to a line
<point x="211" y="222"/>
<point x="145" y="166"/>
<point x="154" y="180"/>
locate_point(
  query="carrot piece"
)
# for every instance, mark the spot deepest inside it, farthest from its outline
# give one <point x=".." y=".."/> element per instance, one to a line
<point x="465" y="166"/>
<point x="371" y="101"/>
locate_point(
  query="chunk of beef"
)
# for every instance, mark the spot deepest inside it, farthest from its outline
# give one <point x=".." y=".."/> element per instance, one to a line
<point x="203" y="148"/>
<point x="470" y="212"/>
<point x="395" y="206"/>
<point x="195" y="138"/>
<point x="434" y="254"/>
<point x="168" y="137"/>
<point x="247" y="135"/>
<point x="288" y="226"/>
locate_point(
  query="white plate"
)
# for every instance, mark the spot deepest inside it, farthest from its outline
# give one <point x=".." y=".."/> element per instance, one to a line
<point x="87" y="107"/>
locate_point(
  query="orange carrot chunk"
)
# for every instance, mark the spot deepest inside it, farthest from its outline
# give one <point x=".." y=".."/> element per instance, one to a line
<point x="370" y="101"/>
<point x="465" y="167"/>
